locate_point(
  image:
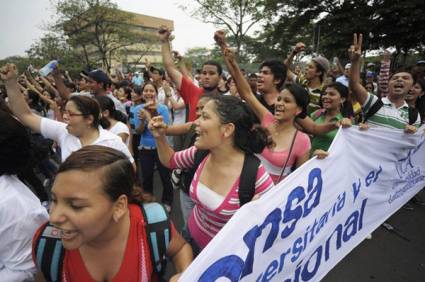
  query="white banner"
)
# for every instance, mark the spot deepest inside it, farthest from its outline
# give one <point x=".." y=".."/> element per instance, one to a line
<point x="302" y="228"/>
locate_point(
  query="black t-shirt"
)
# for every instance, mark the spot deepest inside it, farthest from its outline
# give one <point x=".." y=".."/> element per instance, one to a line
<point x="264" y="103"/>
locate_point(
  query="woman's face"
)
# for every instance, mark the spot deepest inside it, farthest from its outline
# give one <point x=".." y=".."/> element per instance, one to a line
<point x="77" y="123"/>
<point x="200" y="106"/>
<point x="135" y="98"/>
<point x="149" y="93"/>
<point x="332" y="100"/>
<point x="209" y="128"/>
<point x="80" y="208"/>
<point x="369" y="87"/>
<point x="286" y="107"/>
<point x="415" y="92"/>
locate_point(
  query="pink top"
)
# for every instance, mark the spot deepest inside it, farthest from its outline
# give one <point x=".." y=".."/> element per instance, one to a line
<point x="274" y="161"/>
<point x="203" y="222"/>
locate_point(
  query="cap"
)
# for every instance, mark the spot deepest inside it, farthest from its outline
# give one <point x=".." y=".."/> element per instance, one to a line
<point x="371" y="65"/>
<point x="347" y="66"/>
<point x="99" y="76"/>
<point x="322" y="61"/>
<point x="420" y="62"/>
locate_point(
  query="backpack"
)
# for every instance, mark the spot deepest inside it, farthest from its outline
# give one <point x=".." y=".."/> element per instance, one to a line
<point x="49" y="251"/>
<point x="413" y="112"/>
<point x="247" y="180"/>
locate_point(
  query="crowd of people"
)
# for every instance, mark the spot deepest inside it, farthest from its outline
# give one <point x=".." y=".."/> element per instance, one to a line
<point x="78" y="156"/>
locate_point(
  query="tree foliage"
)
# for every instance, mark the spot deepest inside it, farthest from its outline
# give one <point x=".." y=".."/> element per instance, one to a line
<point x="235" y="16"/>
<point x="97" y="27"/>
<point x="383" y="23"/>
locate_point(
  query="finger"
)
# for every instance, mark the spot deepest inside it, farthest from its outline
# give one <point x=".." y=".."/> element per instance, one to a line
<point x="355" y="39"/>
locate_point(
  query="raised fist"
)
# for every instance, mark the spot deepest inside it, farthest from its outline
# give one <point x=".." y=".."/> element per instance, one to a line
<point x="299" y="47"/>
<point x="164" y="34"/>
<point x="220" y="38"/>
<point x="8" y="72"/>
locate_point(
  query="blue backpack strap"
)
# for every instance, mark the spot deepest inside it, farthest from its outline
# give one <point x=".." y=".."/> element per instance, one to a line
<point x="158" y="230"/>
<point x="49" y="253"/>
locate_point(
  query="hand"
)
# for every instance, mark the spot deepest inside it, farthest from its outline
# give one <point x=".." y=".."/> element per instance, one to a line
<point x="299" y="47"/>
<point x="164" y="34"/>
<point x="8" y="72"/>
<point x="228" y="53"/>
<point x="157" y="126"/>
<point x="355" y="50"/>
<point x="410" y="129"/>
<point x="175" y="277"/>
<point x="220" y="38"/>
<point x="320" y="154"/>
<point x="147" y="63"/>
<point x="363" y="126"/>
<point x="145" y="115"/>
<point x="177" y="56"/>
<point x="167" y="88"/>
<point x="345" y="123"/>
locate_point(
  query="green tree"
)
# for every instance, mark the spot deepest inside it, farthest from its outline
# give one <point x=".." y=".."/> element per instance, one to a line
<point x="53" y="46"/>
<point x="235" y="16"/>
<point x="383" y="23"/>
<point x="97" y="27"/>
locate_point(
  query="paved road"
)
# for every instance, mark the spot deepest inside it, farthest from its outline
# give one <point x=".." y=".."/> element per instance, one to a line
<point x="387" y="257"/>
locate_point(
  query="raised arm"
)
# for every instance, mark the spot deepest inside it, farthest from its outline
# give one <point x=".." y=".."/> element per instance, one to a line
<point x="355" y="53"/>
<point x="157" y="127"/>
<point x="164" y="37"/>
<point x="181" y="64"/>
<point x="288" y="61"/>
<point x="384" y="74"/>
<point x="62" y="90"/>
<point x="242" y="85"/>
<point x="17" y="104"/>
<point x="49" y="85"/>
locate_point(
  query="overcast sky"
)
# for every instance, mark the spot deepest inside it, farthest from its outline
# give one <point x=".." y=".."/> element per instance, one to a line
<point x="23" y="21"/>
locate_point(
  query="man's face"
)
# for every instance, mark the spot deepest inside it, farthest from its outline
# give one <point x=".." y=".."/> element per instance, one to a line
<point x="347" y="72"/>
<point x="253" y="82"/>
<point x="156" y="76"/>
<point x="209" y="76"/>
<point x="266" y="81"/>
<point x="311" y="72"/>
<point x="400" y="84"/>
<point x="95" y="86"/>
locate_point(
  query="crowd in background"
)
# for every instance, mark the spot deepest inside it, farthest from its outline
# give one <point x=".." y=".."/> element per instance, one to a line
<point x="86" y="149"/>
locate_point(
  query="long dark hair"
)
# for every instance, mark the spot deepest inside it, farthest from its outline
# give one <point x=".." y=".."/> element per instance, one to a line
<point x="115" y="170"/>
<point x="248" y="137"/>
<point x="301" y="97"/>
<point x="15" y="145"/>
<point x="106" y="104"/>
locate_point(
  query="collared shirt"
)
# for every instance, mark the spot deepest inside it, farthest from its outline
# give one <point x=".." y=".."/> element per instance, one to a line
<point x="388" y="115"/>
<point x="21" y="213"/>
<point x="68" y="143"/>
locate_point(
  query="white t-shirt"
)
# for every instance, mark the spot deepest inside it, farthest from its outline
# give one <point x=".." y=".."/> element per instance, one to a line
<point x="68" y="143"/>
<point x="119" y="128"/>
<point x="21" y="213"/>
<point x="180" y="114"/>
<point x="118" y="105"/>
